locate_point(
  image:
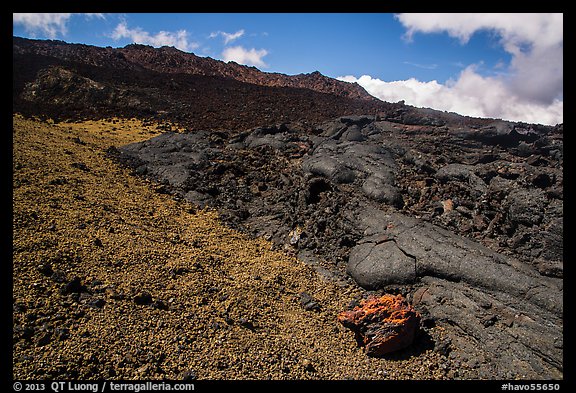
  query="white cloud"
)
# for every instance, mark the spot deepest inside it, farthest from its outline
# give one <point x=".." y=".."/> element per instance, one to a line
<point x="535" y="42"/>
<point x="471" y="95"/>
<point x="529" y="88"/>
<point x="514" y="29"/>
<point x="50" y="24"/>
<point x="228" y="37"/>
<point x="242" y="55"/>
<point x="178" y="39"/>
<point x="538" y="75"/>
<point x="423" y="66"/>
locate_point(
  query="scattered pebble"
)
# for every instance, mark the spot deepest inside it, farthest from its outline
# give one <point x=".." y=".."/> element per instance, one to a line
<point x="143" y="298"/>
<point x="45" y="269"/>
<point x="188" y="375"/>
<point x="308" y="303"/>
<point x="73" y="286"/>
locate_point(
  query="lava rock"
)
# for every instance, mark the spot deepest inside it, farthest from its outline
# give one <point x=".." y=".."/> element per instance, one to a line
<point x="526" y="206"/>
<point x="188" y="375"/>
<point x="143" y="299"/>
<point x="308" y="303"/>
<point x="382" y="324"/>
<point x="73" y="286"/>
<point x="550" y="268"/>
<point x="381" y="190"/>
<point x="246" y="323"/>
<point x="45" y="269"/>
<point x="45" y="339"/>
<point x="160" y="305"/>
<point x="462" y="173"/>
<point x="373" y="265"/>
<point x="489" y="320"/>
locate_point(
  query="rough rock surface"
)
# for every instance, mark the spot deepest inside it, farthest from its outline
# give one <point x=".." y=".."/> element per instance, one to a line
<point x="169" y="60"/>
<point x="394" y="211"/>
<point x="382" y="324"/>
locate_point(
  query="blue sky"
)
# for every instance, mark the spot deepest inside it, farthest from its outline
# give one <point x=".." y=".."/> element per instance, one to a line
<point x="462" y="63"/>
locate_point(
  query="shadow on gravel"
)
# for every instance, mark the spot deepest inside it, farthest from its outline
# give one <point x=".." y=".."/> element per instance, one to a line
<point x="422" y="343"/>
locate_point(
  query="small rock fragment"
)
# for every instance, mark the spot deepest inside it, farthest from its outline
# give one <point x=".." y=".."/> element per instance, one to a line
<point x="58" y="276"/>
<point x="308" y="365"/>
<point x="489" y="320"/>
<point x="73" y="286"/>
<point x="143" y="298"/>
<point x="447" y="205"/>
<point x="27" y="332"/>
<point x="188" y="375"/>
<point x="80" y="165"/>
<point x="44" y="339"/>
<point x="19" y="307"/>
<point x="295" y="235"/>
<point x="160" y="305"/>
<point x="96" y="303"/>
<point x="45" y="269"/>
<point x="308" y="303"/>
<point x="443" y="347"/>
<point x="246" y="323"/>
<point x="62" y="334"/>
<point x="78" y="141"/>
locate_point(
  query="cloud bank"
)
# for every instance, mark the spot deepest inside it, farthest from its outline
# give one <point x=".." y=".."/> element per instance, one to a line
<point x="228" y="37"/>
<point x="530" y="89"/>
<point x="178" y="39"/>
<point x="49" y="24"/>
<point x="242" y="55"/>
<point x="470" y="95"/>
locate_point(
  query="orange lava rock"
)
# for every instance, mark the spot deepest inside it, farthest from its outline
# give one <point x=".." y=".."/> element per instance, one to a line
<point x="382" y="324"/>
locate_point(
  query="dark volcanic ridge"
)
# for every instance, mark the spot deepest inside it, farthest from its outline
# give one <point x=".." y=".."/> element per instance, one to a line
<point x="72" y="81"/>
<point x="78" y="81"/>
<point x="169" y="60"/>
<point x="463" y="215"/>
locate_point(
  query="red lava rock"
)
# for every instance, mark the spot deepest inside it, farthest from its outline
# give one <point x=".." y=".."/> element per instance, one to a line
<point x="382" y="324"/>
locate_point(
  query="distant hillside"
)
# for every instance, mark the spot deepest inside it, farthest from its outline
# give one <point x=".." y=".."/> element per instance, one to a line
<point x="75" y="81"/>
<point x="173" y="61"/>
